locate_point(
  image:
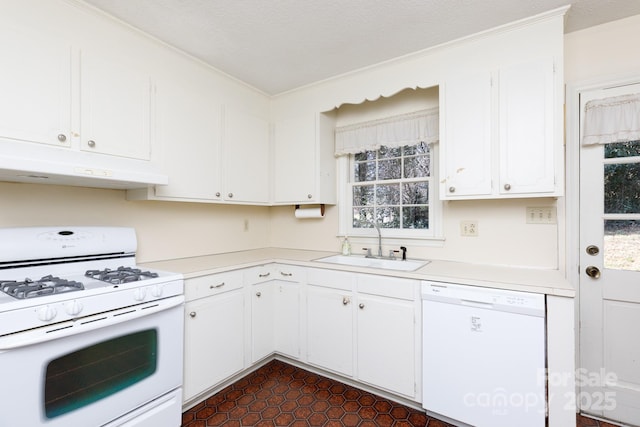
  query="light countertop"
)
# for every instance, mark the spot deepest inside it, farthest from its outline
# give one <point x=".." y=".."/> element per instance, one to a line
<point x="543" y="281"/>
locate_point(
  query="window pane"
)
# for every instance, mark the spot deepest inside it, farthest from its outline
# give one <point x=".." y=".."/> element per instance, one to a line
<point x="622" y="245"/>
<point x="622" y="149"/>
<point x="364" y="172"/>
<point x="388" y="194"/>
<point x="421" y="148"/>
<point x="416" y="167"/>
<point x="362" y="217"/>
<point x="389" y="169"/>
<point x="367" y="155"/>
<point x="415" y="193"/>
<point x="415" y="217"/>
<point x="363" y="195"/>
<point x="389" y="217"/>
<point x="622" y="188"/>
<point x="385" y="152"/>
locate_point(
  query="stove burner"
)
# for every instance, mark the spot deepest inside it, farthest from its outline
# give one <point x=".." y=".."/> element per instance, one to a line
<point x="121" y="275"/>
<point x="47" y="285"/>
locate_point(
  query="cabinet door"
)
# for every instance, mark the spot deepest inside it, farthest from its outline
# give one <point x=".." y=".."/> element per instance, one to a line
<point x="35" y="104"/>
<point x="287" y="318"/>
<point x="465" y="152"/>
<point x="188" y="132"/>
<point x="295" y="160"/>
<point x="527" y="128"/>
<point x="246" y="157"/>
<point x="330" y="329"/>
<point x="214" y="341"/>
<point x="386" y="337"/>
<point x="115" y="112"/>
<point x="262" y="324"/>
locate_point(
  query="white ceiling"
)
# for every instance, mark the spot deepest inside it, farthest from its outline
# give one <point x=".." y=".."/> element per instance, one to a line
<point x="279" y="45"/>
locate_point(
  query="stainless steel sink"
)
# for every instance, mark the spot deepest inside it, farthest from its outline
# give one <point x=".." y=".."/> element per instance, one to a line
<point x="383" y="263"/>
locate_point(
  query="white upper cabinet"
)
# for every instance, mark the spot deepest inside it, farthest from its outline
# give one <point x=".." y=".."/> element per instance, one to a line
<point x="35" y="104"/>
<point x="246" y="157"/>
<point x="465" y="142"/>
<point x="304" y="164"/>
<point x="115" y="106"/>
<point x="526" y="128"/>
<point x="188" y="131"/>
<point x="499" y="133"/>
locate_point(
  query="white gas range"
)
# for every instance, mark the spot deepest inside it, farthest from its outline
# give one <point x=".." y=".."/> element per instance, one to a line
<point x="102" y="338"/>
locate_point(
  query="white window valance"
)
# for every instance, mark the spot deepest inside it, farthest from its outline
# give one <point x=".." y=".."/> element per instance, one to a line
<point x="615" y="119"/>
<point x="395" y="131"/>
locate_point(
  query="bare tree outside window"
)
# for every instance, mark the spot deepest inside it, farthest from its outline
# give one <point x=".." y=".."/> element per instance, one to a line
<point x="391" y="187"/>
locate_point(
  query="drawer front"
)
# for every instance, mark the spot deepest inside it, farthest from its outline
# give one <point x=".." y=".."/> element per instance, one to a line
<point x="331" y="278"/>
<point x="259" y="274"/>
<point x="213" y="284"/>
<point x="393" y="287"/>
<point x="290" y="273"/>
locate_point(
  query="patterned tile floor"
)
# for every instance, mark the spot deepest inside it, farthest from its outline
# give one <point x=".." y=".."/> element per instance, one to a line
<point x="279" y="394"/>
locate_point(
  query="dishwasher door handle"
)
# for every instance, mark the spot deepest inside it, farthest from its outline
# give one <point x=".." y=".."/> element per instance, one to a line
<point x="479" y="304"/>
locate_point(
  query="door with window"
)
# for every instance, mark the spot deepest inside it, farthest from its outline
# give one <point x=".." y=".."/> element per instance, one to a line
<point x="609" y="373"/>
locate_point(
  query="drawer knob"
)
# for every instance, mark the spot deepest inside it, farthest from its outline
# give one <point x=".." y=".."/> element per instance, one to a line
<point x="286" y="274"/>
<point x="452" y="189"/>
<point x="264" y="275"/>
<point x="192" y="314"/>
<point x="216" y="286"/>
<point x="91" y="143"/>
<point x="507" y="187"/>
<point x="258" y="294"/>
<point x="345" y="300"/>
<point x="361" y="305"/>
<point x="62" y="137"/>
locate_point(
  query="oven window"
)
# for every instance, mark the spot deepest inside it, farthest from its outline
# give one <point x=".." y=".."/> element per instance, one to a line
<point x="85" y="376"/>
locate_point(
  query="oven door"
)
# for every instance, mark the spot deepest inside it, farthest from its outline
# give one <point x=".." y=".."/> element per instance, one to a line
<point x="99" y="370"/>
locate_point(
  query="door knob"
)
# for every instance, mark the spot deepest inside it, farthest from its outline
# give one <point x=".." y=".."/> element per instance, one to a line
<point x="592" y="250"/>
<point x="593" y="272"/>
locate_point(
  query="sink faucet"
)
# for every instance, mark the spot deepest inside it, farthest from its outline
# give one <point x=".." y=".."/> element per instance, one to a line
<point x="375" y="224"/>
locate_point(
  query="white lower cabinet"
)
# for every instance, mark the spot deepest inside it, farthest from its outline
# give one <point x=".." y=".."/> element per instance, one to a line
<point x="288" y="320"/>
<point x="387" y="333"/>
<point x="214" y="331"/>
<point x="330" y="329"/>
<point x="262" y="320"/>
<point x="386" y="338"/>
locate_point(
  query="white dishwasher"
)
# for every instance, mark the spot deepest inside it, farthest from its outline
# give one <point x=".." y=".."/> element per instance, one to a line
<point x="483" y="355"/>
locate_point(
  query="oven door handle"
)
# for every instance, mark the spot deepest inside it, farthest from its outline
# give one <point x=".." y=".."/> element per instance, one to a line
<point x="88" y="323"/>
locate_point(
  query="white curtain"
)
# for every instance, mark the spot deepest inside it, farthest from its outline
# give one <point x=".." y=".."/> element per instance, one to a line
<point x="396" y="131"/>
<point x="615" y="119"/>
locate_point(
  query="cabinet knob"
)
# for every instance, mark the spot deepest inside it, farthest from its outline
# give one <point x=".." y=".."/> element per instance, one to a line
<point x="345" y="300"/>
<point x="230" y="195"/>
<point x="452" y="189"/>
<point x="192" y="314"/>
<point x="217" y="194"/>
<point x="309" y="196"/>
<point x="91" y="143"/>
<point x="62" y="137"/>
<point x="258" y="294"/>
<point x="507" y="187"/>
<point x="361" y="305"/>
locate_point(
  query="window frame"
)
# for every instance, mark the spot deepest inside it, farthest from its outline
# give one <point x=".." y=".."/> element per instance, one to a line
<point x="430" y="237"/>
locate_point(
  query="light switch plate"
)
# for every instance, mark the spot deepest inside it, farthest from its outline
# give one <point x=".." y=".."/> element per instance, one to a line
<point x="541" y="215"/>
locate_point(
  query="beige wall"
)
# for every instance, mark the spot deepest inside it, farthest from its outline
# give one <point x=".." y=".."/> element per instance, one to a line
<point x="607" y="51"/>
<point x="165" y="230"/>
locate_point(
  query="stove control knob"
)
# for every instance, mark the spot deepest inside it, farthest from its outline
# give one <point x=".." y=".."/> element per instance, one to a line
<point x="73" y="308"/>
<point x="140" y="294"/>
<point x="156" y="291"/>
<point x="47" y="313"/>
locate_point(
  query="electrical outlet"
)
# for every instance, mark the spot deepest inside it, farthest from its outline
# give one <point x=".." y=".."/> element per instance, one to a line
<point x="541" y="215"/>
<point x="469" y="228"/>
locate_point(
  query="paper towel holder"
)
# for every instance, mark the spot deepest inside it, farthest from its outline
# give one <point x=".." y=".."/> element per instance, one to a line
<point x="321" y="206"/>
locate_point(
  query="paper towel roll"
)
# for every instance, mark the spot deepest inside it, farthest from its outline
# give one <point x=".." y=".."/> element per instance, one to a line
<point x="311" y="211"/>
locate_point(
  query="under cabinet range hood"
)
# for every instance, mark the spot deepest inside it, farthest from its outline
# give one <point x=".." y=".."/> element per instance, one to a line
<point x="38" y="164"/>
